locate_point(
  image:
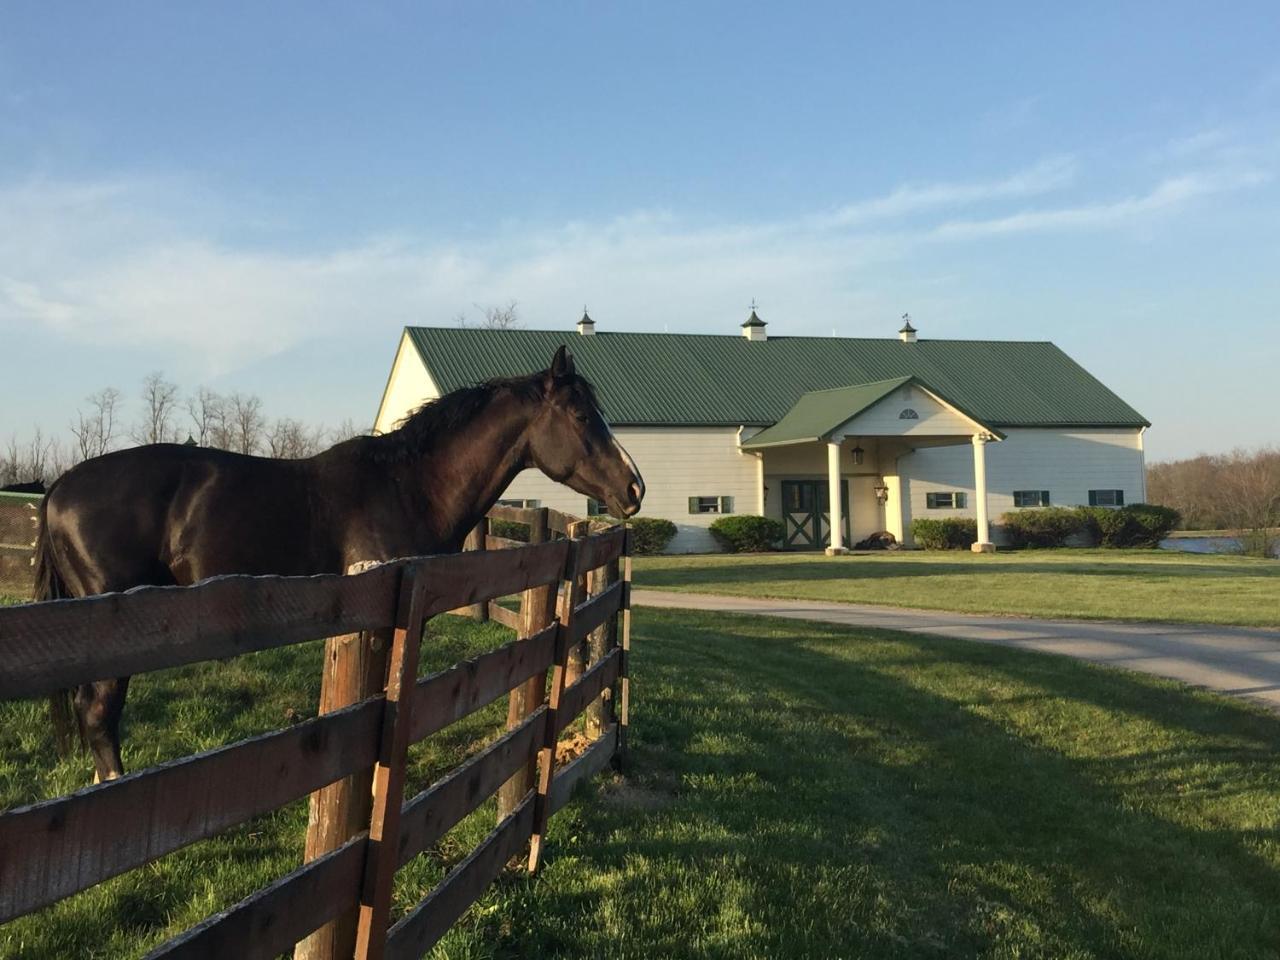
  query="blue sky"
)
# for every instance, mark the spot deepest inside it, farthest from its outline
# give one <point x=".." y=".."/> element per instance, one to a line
<point x="258" y="196"/>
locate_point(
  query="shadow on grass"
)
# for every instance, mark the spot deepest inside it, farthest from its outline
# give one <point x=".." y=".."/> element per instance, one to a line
<point x="855" y="794"/>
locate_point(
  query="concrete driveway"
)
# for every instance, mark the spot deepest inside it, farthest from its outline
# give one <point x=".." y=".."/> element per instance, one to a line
<point x="1239" y="661"/>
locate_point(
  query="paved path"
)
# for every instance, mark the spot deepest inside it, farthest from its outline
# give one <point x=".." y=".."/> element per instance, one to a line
<point x="1241" y="661"/>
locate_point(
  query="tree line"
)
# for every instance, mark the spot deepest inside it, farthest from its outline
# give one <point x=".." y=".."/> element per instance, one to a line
<point x="1237" y="491"/>
<point x="228" y="421"/>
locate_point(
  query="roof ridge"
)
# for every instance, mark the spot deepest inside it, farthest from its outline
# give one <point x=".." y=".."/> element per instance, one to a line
<point x="718" y="336"/>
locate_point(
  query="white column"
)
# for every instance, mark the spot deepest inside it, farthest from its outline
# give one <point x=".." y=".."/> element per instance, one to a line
<point x="760" y="497"/>
<point x="833" y="481"/>
<point x="984" y="544"/>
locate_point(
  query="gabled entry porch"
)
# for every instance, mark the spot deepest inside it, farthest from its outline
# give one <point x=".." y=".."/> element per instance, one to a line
<point x="831" y="469"/>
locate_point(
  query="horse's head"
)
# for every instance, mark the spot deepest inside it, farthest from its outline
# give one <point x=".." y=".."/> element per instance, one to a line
<point x="570" y="442"/>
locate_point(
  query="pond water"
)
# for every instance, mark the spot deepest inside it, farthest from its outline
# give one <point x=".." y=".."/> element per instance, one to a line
<point x="1207" y="545"/>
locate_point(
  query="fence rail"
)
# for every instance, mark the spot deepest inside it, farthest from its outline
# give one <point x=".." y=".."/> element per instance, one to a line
<point x="340" y="899"/>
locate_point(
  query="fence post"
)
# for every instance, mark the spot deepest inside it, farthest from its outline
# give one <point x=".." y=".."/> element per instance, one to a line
<point x="537" y="611"/>
<point x="603" y="639"/>
<point x="576" y="664"/>
<point x="476" y="541"/>
<point x="624" y="663"/>
<point x="355" y="668"/>
<point x="570" y="597"/>
<point x="388" y="776"/>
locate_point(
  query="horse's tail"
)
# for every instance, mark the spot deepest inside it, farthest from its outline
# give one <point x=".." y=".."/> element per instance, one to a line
<point x="51" y="586"/>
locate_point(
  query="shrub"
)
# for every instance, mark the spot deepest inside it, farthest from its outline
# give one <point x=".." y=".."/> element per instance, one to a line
<point x="747" y="534"/>
<point x="1137" y="525"/>
<point x="650" y="534"/>
<point x="953" y="533"/>
<point x="1042" y="526"/>
<point x="509" y="529"/>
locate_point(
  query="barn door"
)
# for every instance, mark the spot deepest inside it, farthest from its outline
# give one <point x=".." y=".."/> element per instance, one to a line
<point x="806" y="516"/>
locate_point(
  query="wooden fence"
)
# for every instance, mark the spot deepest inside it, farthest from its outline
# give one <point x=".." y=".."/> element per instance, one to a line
<point x="575" y="595"/>
<point x="17" y="540"/>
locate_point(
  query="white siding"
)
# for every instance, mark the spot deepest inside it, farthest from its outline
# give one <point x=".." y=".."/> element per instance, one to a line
<point x="408" y="387"/>
<point x="884" y="418"/>
<point x="677" y="463"/>
<point x="1067" y="463"/>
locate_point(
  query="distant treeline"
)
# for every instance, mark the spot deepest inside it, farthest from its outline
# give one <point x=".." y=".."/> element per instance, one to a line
<point x="230" y="421"/>
<point x="1231" y="491"/>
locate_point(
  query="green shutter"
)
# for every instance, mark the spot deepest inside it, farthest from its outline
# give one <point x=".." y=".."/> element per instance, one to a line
<point x="693" y="504"/>
<point x="1093" y="498"/>
<point x="1119" y="498"/>
<point x="726" y="504"/>
<point x="1044" y="498"/>
<point x="961" y="501"/>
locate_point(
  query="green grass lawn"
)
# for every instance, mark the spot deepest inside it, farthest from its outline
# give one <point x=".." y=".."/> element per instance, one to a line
<point x="798" y="790"/>
<point x="1094" y="584"/>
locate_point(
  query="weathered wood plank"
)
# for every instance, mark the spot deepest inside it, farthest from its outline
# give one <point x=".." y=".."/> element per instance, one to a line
<point x="57" y="644"/>
<point x="53" y="849"/>
<point x="506" y="617"/>
<point x="594" y="612"/>
<point x="599" y="549"/>
<point x="269" y="922"/>
<point x="423" y="926"/>
<point x="431" y="814"/>
<point x="492" y="542"/>
<point x="448" y="696"/>
<point x="515" y="514"/>
<point x="465" y="578"/>
<point x="575" y="698"/>
<point x="593" y="760"/>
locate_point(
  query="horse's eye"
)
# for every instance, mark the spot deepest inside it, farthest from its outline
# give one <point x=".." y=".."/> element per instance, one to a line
<point x="582" y="417"/>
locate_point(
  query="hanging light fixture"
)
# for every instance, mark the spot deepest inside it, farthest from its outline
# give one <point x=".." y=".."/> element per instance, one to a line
<point x="882" y="492"/>
<point x="857" y="456"/>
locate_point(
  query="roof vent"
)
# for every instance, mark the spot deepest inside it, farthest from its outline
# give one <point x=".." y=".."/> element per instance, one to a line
<point x="908" y="333"/>
<point x="586" y="326"/>
<point x="753" y="329"/>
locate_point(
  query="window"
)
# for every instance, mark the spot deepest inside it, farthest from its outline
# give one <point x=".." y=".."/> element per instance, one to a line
<point x="946" y="501"/>
<point x="1031" y="498"/>
<point x="711" y="504"/>
<point x="523" y="504"/>
<point x="1106" y="498"/>
<point x="908" y="414"/>
<point x="596" y="508"/>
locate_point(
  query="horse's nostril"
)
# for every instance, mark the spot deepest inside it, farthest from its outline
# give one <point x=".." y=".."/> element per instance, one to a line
<point x="637" y="491"/>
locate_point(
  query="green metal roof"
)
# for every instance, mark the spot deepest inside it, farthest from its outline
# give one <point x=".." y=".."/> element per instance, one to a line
<point x="817" y="413"/>
<point x="707" y="379"/>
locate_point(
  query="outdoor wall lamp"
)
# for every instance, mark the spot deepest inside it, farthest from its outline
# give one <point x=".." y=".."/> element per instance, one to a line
<point x="882" y="492"/>
<point x="857" y="456"/>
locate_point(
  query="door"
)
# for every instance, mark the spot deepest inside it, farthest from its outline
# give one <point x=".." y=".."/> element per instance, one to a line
<point x="806" y="514"/>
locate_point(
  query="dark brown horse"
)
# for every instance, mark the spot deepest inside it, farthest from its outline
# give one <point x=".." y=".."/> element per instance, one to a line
<point x="174" y="514"/>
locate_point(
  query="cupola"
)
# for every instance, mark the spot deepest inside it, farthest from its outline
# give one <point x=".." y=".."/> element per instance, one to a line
<point x="753" y="329"/>
<point x="908" y="333"/>
<point x="586" y="326"/>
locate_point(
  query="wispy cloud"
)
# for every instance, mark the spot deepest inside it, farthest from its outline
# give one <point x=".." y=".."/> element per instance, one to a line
<point x="1051" y="174"/>
<point x="139" y="263"/>
<point x="1168" y="194"/>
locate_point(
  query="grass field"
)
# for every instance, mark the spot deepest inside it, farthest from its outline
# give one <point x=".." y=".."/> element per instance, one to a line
<point x="798" y="790"/>
<point x="1094" y="584"/>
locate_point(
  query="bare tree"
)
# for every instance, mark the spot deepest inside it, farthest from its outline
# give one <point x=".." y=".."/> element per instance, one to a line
<point x="346" y="430"/>
<point x="207" y="412"/>
<point x="1250" y="485"/>
<point x="291" y="440"/>
<point x="493" y="317"/>
<point x="95" y="429"/>
<point x="159" y="404"/>
<point x="39" y="460"/>
<point x="243" y="426"/>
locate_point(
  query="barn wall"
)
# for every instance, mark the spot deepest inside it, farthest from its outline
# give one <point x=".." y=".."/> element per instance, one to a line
<point x="407" y="387"/>
<point x="1067" y="463"/>
<point x="676" y="463"/>
<point x="17" y="534"/>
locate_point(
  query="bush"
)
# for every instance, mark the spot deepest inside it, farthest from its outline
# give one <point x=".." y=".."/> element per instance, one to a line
<point x="1042" y="526"/>
<point x="650" y="534"/>
<point x="747" y="534"/>
<point x="953" y="533"/>
<point x="1137" y="525"/>
<point x="509" y="529"/>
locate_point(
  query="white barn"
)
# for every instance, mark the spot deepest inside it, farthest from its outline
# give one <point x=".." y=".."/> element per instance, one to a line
<point x="902" y="427"/>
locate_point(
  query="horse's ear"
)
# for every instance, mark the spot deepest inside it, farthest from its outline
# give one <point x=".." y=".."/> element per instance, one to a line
<point x="561" y="365"/>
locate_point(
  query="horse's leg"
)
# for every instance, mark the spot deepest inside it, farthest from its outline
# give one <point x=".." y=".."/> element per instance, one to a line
<point x="99" y="706"/>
